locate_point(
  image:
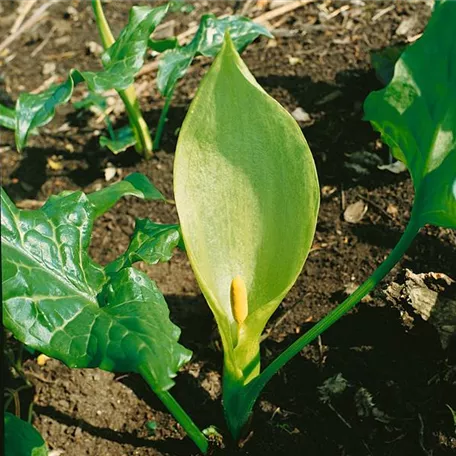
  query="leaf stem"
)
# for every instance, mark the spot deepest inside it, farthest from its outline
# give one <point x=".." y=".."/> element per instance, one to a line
<point x="144" y="144"/>
<point x="184" y="420"/>
<point x="256" y="385"/>
<point x="162" y="120"/>
<point x="178" y="412"/>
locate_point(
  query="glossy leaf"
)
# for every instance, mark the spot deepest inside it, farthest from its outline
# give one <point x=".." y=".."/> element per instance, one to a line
<point x="123" y="139"/>
<point x="57" y="300"/>
<point x="126" y="56"/>
<point x="121" y="61"/>
<point x="247" y="196"/>
<point x="7" y="117"/>
<point x="35" y="110"/>
<point x="163" y="45"/>
<point x="21" y="438"/>
<point x="135" y="184"/>
<point x="151" y="242"/>
<point x="416" y="116"/>
<point x="208" y="42"/>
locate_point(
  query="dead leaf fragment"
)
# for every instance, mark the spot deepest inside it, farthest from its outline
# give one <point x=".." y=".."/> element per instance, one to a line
<point x="431" y="296"/>
<point x="110" y="172"/>
<point x="300" y="115"/>
<point x="355" y="212"/>
<point x="396" y="167"/>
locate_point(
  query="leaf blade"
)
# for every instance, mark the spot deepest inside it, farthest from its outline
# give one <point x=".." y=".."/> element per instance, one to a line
<point x="21" y="438"/>
<point x="60" y="302"/>
<point x="207" y="41"/>
<point x="416" y="116"/>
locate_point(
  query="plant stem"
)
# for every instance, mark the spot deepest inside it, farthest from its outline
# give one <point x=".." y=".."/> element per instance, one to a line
<point x="178" y="412"/>
<point x="144" y="144"/>
<point x="162" y="120"/>
<point x="184" y="420"/>
<point x="256" y="385"/>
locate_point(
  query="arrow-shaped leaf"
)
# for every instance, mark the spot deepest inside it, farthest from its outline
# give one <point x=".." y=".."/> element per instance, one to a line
<point x="416" y="116"/>
<point x="207" y="41"/>
<point x="121" y="61"/>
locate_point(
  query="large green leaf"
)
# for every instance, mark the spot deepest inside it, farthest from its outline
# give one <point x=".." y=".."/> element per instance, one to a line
<point x="21" y="438"/>
<point x="57" y="300"/>
<point x="151" y="242"/>
<point x="207" y="41"/>
<point x="121" y="62"/>
<point x="416" y="116"/>
<point x="247" y="196"/>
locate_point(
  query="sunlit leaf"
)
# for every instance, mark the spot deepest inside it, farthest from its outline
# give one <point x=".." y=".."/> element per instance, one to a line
<point x="207" y="41"/>
<point x="7" y="117"/>
<point x="121" y="61"/>
<point x="151" y="242"/>
<point x="416" y="116"/>
<point x="57" y="300"/>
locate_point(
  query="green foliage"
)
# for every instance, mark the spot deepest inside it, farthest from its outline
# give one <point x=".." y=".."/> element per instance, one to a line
<point x="384" y="61"/>
<point x="416" y="116"/>
<point x="120" y="140"/>
<point x="151" y="243"/>
<point x="7" y="117"/>
<point x="57" y="300"/>
<point x="121" y="62"/>
<point x="92" y="99"/>
<point x="247" y="196"/>
<point x="21" y="438"/>
<point x="207" y="41"/>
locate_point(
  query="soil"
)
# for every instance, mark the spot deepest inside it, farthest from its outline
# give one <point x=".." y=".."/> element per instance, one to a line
<point x="323" y="67"/>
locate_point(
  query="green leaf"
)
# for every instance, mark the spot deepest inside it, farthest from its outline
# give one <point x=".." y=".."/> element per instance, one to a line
<point x="384" y="61"/>
<point x="126" y="56"/>
<point x="207" y="41"/>
<point x="121" y="61"/>
<point x="92" y="99"/>
<point x="36" y="110"/>
<point x="135" y="184"/>
<point x="57" y="300"/>
<point x="7" y="117"/>
<point x="163" y="45"/>
<point x="180" y="6"/>
<point x="151" y="242"/>
<point x="123" y="139"/>
<point x="247" y="196"/>
<point x="416" y="116"/>
<point x="21" y="438"/>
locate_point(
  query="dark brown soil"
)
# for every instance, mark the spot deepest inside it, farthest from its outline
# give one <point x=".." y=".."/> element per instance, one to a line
<point x="325" y="69"/>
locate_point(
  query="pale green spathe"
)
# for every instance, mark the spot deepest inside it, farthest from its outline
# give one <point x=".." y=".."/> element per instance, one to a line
<point x="247" y="196"/>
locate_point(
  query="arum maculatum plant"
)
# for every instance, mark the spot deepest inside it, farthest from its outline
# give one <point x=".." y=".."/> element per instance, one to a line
<point x="122" y="60"/>
<point x="247" y="193"/>
<point x="58" y="301"/>
<point x="247" y="196"/>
